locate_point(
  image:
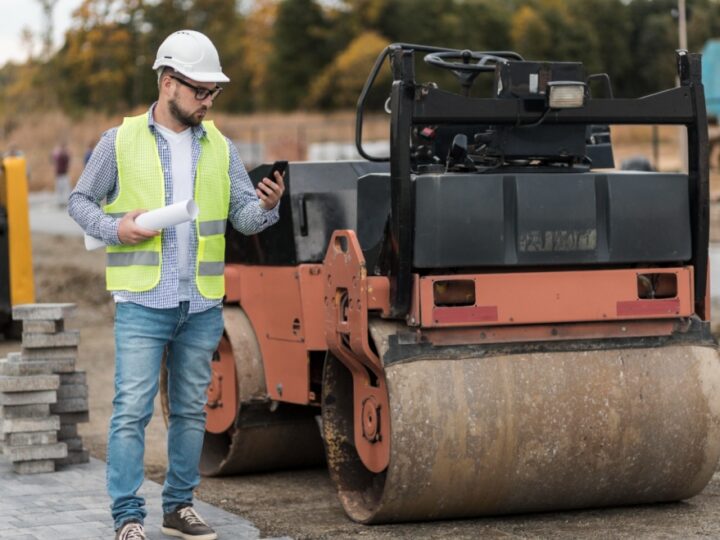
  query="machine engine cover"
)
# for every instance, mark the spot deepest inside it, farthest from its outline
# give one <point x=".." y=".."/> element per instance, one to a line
<point x="537" y="219"/>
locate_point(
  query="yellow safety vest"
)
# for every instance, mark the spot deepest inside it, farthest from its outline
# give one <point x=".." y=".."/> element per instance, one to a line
<point x="141" y="184"/>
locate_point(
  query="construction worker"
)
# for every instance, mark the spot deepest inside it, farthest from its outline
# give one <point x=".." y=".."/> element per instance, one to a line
<point x="168" y="286"/>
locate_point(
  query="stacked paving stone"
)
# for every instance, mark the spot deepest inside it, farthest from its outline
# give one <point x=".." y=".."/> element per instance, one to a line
<point x="72" y="407"/>
<point x="48" y="357"/>
<point x="28" y="429"/>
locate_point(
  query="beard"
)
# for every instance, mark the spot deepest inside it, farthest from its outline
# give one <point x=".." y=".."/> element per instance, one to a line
<point x="191" y="119"/>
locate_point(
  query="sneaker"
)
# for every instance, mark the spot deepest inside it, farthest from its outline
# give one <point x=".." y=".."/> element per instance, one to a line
<point x="130" y="530"/>
<point x="184" y="522"/>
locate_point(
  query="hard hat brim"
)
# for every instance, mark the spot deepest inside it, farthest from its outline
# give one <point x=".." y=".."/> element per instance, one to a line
<point x="203" y="76"/>
<point x="216" y="77"/>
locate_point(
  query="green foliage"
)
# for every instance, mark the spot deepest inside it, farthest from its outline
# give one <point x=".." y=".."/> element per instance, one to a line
<point x="286" y="54"/>
<point x="299" y="51"/>
<point x="339" y="85"/>
<point x="653" y="40"/>
<point x="97" y="69"/>
<point x="610" y="52"/>
<point x="703" y="23"/>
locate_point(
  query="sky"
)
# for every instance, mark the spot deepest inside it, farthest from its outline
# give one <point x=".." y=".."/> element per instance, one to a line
<point x="17" y="14"/>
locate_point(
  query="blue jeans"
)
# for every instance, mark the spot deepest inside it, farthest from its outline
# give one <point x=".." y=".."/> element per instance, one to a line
<point x="142" y="335"/>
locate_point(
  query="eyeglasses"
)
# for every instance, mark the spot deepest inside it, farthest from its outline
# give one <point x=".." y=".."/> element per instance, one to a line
<point x="201" y="94"/>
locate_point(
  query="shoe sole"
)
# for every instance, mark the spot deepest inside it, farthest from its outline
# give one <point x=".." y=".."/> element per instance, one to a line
<point x="180" y="534"/>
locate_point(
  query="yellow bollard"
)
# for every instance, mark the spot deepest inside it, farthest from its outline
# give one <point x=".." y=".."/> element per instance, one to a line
<point x="14" y="196"/>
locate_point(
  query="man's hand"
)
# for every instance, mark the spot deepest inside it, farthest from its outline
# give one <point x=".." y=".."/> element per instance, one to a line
<point x="130" y="232"/>
<point x="270" y="192"/>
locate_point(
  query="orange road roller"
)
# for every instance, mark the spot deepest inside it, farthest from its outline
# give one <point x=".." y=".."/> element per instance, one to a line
<point x="490" y="320"/>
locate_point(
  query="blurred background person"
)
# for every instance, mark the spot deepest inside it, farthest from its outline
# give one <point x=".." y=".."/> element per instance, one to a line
<point x="61" y="167"/>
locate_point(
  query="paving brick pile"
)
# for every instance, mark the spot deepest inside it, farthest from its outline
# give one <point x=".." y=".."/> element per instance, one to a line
<point x="42" y="396"/>
<point x="29" y="431"/>
<point x="72" y="408"/>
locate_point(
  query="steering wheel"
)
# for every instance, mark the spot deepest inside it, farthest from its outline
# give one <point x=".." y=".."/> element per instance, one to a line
<point x="449" y="60"/>
<point x="466" y="65"/>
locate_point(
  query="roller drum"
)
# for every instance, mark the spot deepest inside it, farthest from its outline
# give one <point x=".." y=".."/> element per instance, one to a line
<point x="264" y="435"/>
<point x="532" y="432"/>
<point x="264" y="440"/>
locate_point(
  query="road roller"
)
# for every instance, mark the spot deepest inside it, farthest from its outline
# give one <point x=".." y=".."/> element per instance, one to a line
<point x="492" y="319"/>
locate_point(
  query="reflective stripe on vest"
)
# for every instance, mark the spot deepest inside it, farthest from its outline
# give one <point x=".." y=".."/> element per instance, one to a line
<point x="211" y="268"/>
<point x="141" y="184"/>
<point x="208" y="228"/>
<point x="133" y="258"/>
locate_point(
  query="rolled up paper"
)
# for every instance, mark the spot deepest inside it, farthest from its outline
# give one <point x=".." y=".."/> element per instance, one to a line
<point x="156" y="220"/>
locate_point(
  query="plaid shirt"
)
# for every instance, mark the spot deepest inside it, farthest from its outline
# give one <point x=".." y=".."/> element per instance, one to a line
<point x="99" y="181"/>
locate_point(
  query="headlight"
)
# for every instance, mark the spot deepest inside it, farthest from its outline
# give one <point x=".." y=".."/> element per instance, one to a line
<point x="565" y="94"/>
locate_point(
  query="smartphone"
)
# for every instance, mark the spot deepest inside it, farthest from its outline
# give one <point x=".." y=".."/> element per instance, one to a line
<point x="278" y="166"/>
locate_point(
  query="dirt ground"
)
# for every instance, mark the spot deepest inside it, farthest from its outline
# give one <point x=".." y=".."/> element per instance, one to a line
<point x="303" y="504"/>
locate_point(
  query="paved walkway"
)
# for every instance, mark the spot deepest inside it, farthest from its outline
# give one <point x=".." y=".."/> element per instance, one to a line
<point x="72" y="504"/>
<point x="47" y="217"/>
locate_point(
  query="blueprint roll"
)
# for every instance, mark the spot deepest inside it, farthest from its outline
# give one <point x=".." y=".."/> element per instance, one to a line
<point x="156" y="220"/>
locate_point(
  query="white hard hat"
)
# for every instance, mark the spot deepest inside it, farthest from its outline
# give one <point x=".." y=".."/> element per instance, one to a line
<point x="192" y="54"/>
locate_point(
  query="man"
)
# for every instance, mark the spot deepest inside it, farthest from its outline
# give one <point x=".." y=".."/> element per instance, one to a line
<point x="168" y="286"/>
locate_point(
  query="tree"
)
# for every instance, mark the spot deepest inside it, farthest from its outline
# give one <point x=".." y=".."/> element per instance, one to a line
<point x="359" y="16"/>
<point x="339" y="85"/>
<point x="611" y="49"/>
<point x="653" y="40"/>
<point x="703" y="23"/>
<point x="96" y="68"/>
<point x="107" y="59"/>
<point x="530" y="33"/>
<point x="283" y="54"/>
<point x="490" y="28"/>
<point x="428" y="22"/>
<point x="47" y="7"/>
<point x="257" y="44"/>
<point x="299" y="52"/>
